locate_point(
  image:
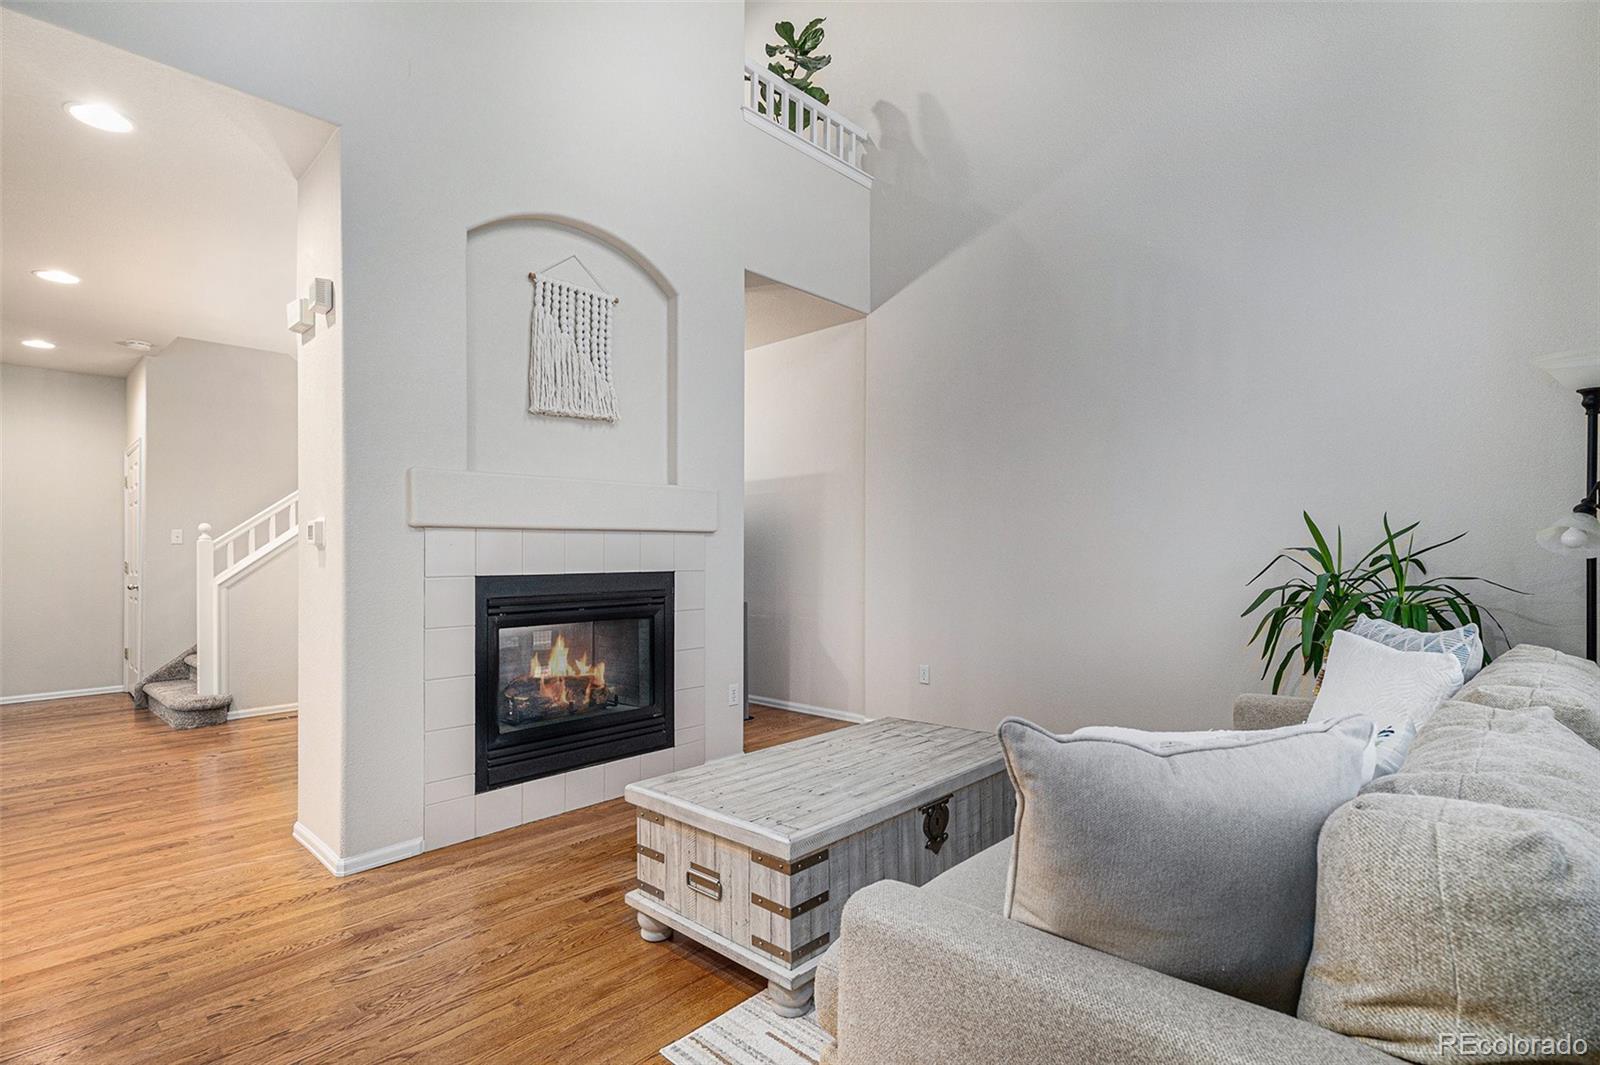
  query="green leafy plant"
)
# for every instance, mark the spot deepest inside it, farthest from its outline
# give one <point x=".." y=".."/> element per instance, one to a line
<point x="1390" y="581"/>
<point x="798" y="51"/>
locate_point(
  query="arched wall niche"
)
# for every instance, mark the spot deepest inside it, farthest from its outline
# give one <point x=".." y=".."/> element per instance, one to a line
<point x="502" y="436"/>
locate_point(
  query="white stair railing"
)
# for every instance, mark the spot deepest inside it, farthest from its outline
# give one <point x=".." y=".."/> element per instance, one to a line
<point x="220" y="562"/>
<point x="781" y="109"/>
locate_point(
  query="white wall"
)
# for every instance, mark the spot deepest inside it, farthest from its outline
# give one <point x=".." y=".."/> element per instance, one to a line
<point x="61" y="445"/>
<point x="321" y="733"/>
<point x="1150" y="279"/>
<point x="262" y="635"/>
<point x="452" y="116"/>
<point x="135" y="413"/>
<point x="219" y="446"/>
<point x="804" y="518"/>
<point x="503" y="438"/>
<point x="806" y="225"/>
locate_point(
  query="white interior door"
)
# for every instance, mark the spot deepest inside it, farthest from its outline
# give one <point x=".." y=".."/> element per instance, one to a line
<point x="132" y="553"/>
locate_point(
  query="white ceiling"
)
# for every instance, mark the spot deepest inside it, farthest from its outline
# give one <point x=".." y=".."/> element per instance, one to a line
<point x="774" y="311"/>
<point x="183" y="227"/>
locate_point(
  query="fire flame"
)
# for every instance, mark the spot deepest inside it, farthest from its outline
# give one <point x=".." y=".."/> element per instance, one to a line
<point x="552" y="686"/>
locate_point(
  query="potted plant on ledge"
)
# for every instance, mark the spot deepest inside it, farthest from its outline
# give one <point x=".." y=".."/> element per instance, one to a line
<point x="798" y="51"/>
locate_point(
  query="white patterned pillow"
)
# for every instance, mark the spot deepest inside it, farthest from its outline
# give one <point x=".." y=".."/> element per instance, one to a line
<point x="1466" y="643"/>
<point x="1397" y="690"/>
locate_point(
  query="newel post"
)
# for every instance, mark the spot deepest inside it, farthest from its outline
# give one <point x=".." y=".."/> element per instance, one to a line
<point x="205" y="613"/>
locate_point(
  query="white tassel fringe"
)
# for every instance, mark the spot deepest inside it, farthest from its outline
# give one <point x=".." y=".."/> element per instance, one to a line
<point x="569" y="352"/>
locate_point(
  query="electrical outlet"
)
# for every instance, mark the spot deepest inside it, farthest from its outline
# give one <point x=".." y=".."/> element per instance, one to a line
<point x="176" y="537"/>
<point x="924" y="676"/>
<point x="733" y="695"/>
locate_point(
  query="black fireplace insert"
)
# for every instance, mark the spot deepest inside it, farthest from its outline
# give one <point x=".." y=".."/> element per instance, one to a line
<point x="572" y="670"/>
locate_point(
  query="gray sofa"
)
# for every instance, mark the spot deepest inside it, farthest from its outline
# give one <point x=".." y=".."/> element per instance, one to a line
<point x="936" y="974"/>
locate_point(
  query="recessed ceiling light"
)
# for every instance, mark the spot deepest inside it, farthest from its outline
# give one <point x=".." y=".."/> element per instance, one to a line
<point x="137" y="345"/>
<point x="100" y="116"/>
<point x="58" y="277"/>
<point x="42" y="345"/>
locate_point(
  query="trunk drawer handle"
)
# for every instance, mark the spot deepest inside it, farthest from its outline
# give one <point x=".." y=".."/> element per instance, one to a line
<point x="703" y="881"/>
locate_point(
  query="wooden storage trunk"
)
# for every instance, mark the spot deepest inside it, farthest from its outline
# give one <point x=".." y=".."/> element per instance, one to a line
<point x="755" y="856"/>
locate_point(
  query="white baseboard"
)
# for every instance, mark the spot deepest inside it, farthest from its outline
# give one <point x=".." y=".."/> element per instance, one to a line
<point x="39" y="697"/>
<point x="356" y="863"/>
<point x="263" y="711"/>
<point x="814" y="711"/>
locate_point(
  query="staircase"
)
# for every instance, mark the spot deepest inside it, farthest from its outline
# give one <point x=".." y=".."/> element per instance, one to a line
<point x="171" y="694"/>
<point x="191" y="690"/>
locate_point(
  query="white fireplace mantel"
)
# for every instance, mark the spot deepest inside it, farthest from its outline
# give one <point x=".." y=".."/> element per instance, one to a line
<point x="466" y="499"/>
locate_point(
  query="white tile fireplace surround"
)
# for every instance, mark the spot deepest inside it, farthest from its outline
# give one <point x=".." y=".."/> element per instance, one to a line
<point x="451" y="559"/>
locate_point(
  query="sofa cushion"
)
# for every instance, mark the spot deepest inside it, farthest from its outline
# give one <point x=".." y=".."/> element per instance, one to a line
<point x="979" y="882"/>
<point x="1194" y="858"/>
<point x="1443" y="917"/>
<point x="1528" y="676"/>
<point x="825" y="991"/>
<point x="1524" y="759"/>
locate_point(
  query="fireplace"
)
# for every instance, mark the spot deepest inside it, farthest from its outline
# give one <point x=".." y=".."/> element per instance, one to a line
<point x="572" y="670"/>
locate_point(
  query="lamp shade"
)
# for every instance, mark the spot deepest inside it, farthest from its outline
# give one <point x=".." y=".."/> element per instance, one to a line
<point x="1575" y="369"/>
<point x="1578" y="534"/>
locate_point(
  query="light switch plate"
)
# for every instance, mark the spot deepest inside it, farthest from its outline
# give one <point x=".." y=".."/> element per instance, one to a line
<point x="176" y="537"/>
<point x="733" y="695"/>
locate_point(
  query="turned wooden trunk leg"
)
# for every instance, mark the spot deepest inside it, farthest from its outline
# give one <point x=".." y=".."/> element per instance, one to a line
<point x="787" y="1003"/>
<point x="652" y="930"/>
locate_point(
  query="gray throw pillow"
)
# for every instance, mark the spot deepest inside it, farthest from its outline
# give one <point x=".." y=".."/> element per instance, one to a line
<point x="1195" y="857"/>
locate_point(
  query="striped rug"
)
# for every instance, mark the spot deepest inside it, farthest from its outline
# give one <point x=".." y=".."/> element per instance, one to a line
<point x="752" y="1034"/>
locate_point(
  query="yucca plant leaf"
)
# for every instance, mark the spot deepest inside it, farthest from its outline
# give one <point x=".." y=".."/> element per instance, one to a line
<point x="1308" y="616"/>
<point x="1438" y="617"/>
<point x="1255" y="604"/>
<point x="1266" y="619"/>
<point x="1484" y="580"/>
<point x="1323" y="554"/>
<point x="1393" y="556"/>
<point x="1277" y="678"/>
<point x="1364" y="559"/>
<point x="1341" y="617"/>
<point x="1279" y="626"/>
<point x="1435" y="547"/>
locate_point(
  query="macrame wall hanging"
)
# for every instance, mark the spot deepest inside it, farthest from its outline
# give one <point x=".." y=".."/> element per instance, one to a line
<point x="569" y="348"/>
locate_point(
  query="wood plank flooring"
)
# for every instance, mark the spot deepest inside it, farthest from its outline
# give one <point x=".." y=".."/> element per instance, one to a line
<point x="153" y="908"/>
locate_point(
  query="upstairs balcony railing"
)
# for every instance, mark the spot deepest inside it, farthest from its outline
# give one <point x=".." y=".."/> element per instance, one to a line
<point x="773" y="104"/>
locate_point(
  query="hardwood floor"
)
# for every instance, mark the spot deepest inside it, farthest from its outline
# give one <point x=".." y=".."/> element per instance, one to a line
<point x="153" y="908"/>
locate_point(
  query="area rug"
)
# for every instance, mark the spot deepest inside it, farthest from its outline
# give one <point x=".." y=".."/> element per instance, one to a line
<point x="752" y="1034"/>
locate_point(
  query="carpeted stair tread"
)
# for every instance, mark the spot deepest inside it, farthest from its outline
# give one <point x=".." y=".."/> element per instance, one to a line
<point x="176" y="669"/>
<point x="192" y="661"/>
<point x="183" y="695"/>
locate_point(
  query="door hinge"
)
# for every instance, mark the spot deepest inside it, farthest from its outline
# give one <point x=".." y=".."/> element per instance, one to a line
<point x="125" y="654"/>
